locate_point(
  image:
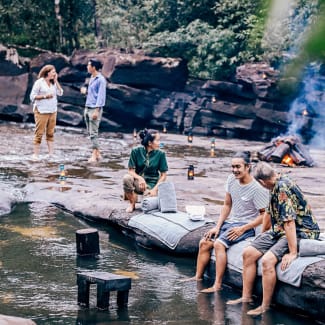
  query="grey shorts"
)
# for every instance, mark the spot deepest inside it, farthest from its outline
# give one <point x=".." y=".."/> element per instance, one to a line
<point x="224" y="232"/>
<point x="266" y="241"/>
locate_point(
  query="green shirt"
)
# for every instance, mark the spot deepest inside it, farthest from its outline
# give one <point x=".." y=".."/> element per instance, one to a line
<point x="148" y="165"/>
<point x="288" y="203"/>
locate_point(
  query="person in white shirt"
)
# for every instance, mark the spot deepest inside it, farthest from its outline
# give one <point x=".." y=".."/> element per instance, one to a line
<point x="44" y="98"/>
<point x="242" y="212"/>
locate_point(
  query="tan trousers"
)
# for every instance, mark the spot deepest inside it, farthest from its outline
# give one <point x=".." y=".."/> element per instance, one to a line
<point x="44" y="123"/>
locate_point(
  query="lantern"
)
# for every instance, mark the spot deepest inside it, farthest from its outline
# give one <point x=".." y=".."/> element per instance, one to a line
<point x="62" y="176"/>
<point x="164" y="129"/>
<point x="213" y="143"/>
<point x="135" y="134"/>
<point x="190" y="172"/>
<point x="190" y="137"/>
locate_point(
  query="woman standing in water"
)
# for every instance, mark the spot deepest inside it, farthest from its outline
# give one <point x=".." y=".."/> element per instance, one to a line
<point x="147" y="168"/>
<point x="44" y="98"/>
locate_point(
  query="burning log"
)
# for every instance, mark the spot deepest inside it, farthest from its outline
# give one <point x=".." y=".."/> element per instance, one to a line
<point x="280" y="151"/>
<point x="304" y="153"/>
<point x="287" y="150"/>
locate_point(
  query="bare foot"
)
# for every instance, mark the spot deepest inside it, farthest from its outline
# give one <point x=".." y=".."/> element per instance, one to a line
<point x="92" y="159"/>
<point x="211" y="289"/>
<point x="258" y="311"/>
<point x="239" y="301"/>
<point x="130" y="208"/>
<point x="193" y="278"/>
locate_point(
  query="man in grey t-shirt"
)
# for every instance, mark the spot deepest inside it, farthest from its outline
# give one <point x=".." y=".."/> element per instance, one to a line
<point x="243" y="208"/>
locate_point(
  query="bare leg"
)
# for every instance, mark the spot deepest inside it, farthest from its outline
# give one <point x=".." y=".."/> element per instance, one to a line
<point x="250" y="257"/>
<point x="93" y="157"/>
<point x="203" y="259"/>
<point x="36" y="151"/>
<point x="98" y="155"/>
<point x="269" y="281"/>
<point x="132" y="197"/>
<point x="50" y="146"/>
<point x="221" y="264"/>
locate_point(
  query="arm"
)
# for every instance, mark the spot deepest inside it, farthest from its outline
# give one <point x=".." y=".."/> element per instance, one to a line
<point x="266" y="224"/>
<point x="34" y="94"/>
<point x="154" y="190"/>
<point x="58" y="86"/>
<point x="236" y="232"/>
<point x="225" y="211"/>
<point x="290" y="231"/>
<point x="101" y="97"/>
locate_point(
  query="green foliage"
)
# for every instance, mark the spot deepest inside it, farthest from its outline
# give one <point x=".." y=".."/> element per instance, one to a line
<point x="287" y="28"/>
<point x="214" y="36"/>
<point x="34" y="23"/>
<point x="215" y="47"/>
<point x="122" y="23"/>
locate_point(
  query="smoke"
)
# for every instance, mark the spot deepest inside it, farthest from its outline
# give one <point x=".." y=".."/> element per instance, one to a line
<point x="291" y="22"/>
<point x="307" y="111"/>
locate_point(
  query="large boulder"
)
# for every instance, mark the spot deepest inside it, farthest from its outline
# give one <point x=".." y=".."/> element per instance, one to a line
<point x="60" y="61"/>
<point x="136" y="70"/>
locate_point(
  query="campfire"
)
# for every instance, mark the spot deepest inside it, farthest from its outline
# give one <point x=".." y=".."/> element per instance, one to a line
<point x="286" y="150"/>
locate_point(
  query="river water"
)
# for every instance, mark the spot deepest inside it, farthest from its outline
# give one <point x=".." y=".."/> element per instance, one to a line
<point x="38" y="262"/>
<point x="38" y="266"/>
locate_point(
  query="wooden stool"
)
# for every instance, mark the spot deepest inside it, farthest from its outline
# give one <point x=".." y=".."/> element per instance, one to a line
<point x="106" y="282"/>
<point x="87" y="241"/>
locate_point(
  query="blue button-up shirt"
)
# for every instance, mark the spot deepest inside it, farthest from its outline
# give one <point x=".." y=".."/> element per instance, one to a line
<point x="96" y="93"/>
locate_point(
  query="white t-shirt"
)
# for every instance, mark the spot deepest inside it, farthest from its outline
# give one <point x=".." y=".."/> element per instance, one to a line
<point x="49" y="105"/>
<point x="247" y="199"/>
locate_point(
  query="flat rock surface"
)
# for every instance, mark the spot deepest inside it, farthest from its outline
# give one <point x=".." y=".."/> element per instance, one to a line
<point x="95" y="190"/>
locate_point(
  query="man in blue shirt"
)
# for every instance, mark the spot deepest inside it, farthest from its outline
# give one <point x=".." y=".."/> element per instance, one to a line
<point x="96" y="97"/>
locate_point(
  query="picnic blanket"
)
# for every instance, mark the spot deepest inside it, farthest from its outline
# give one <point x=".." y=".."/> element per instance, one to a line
<point x="292" y="275"/>
<point x="169" y="228"/>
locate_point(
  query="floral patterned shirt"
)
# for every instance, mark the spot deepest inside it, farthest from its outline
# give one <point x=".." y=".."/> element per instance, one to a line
<point x="288" y="203"/>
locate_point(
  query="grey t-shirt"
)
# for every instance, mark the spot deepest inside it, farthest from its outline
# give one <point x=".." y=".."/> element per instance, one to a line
<point x="247" y="199"/>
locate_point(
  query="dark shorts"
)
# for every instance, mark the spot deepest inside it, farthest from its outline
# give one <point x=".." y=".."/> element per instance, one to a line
<point x="224" y="231"/>
<point x="266" y="241"/>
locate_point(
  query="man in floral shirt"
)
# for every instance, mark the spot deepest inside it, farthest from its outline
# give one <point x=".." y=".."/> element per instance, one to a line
<point x="291" y="219"/>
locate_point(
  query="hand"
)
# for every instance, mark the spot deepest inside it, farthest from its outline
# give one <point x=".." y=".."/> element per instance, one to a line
<point x="95" y="115"/>
<point x="142" y="184"/>
<point x="287" y="259"/>
<point x="83" y="90"/>
<point x="211" y="233"/>
<point x="235" y="233"/>
<point x="56" y="78"/>
<point x="49" y="95"/>
<point x="153" y="192"/>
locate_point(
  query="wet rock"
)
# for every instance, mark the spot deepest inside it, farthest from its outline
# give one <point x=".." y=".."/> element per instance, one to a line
<point x="308" y="299"/>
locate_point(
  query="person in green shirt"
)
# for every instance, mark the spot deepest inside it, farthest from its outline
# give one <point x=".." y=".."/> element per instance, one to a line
<point x="147" y="168"/>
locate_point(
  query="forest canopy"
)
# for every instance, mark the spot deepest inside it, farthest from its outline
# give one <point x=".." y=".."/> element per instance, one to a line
<point x="213" y="36"/>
